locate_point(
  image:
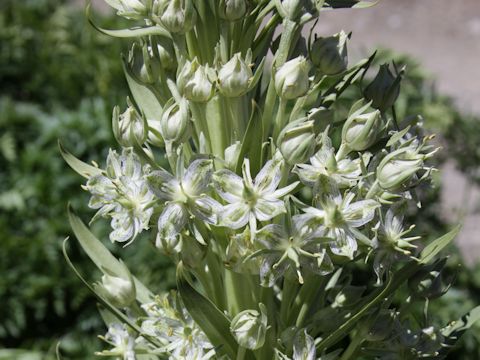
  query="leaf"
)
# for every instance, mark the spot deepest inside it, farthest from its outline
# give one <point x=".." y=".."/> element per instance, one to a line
<point x="252" y="143"/>
<point x="432" y="249"/>
<point x="207" y="316"/>
<point x="101" y="256"/>
<point x="79" y="166"/>
<point x="144" y="96"/>
<point x="126" y="33"/>
<point x="117" y="313"/>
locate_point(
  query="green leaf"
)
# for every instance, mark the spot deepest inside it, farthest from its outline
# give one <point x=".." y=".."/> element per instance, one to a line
<point x="126" y="33"/>
<point x="79" y="166"/>
<point x="437" y="245"/>
<point x="117" y="313"/>
<point x="208" y="317"/>
<point x="252" y="143"/>
<point x="101" y="256"/>
<point x="143" y="95"/>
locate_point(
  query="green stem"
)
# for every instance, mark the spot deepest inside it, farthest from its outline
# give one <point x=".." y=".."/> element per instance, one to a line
<point x="374" y="190"/>
<point x="241" y="353"/>
<point x="306" y="297"/>
<point x="280" y="118"/>
<point x="352" y="348"/>
<point x="289" y="291"/>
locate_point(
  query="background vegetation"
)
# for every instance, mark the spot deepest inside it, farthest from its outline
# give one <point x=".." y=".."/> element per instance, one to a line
<point x="59" y="79"/>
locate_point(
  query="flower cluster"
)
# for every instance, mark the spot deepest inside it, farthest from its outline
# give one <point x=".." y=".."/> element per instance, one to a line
<point x="268" y="192"/>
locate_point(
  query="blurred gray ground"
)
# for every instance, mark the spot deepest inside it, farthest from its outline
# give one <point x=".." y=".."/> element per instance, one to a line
<point x="444" y="35"/>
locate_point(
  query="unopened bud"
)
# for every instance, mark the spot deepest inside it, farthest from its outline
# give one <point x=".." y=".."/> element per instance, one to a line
<point x="329" y="54"/>
<point x="361" y="131"/>
<point x="384" y="89"/>
<point x="175" y="122"/>
<point x="297" y="141"/>
<point x="233" y="10"/>
<point x="177" y="16"/>
<point x="231" y="155"/>
<point x="118" y="289"/>
<point x="234" y="77"/>
<point x="296" y="10"/>
<point x="398" y="167"/>
<point x="249" y="328"/>
<point x="129" y="127"/>
<point x="291" y="79"/>
<point x="130" y="9"/>
<point x="195" y="82"/>
<point x="429" y="282"/>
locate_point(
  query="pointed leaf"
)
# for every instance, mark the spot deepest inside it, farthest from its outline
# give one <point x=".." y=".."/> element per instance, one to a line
<point x="207" y="316"/>
<point x="79" y="166"/>
<point x="101" y="256"/>
<point x="432" y="249"/>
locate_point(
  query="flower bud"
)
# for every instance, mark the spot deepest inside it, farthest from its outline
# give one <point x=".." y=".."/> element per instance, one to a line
<point x="233" y="10"/>
<point x="175" y="122"/>
<point x="234" y="77"/>
<point x="429" y="282"/>
<point x="129" y="127"/>
<point x="361" y="131"/>
<point x="297" y="141"/>
<point x="195" y="82"/>
<point x="296" y="10"/>
<point x="249" y="328"/>
<point x="380" y="327"/>
<point x="329" y="54"/>
<point x="177" y="16"/>
<point x="130" y="9"/>
<point x="231" y="155"/>
<point x="119" y="290"/>
<point x="291" y="80"/>
<point x="398" y="167"/>
<point x="384" y="89"/>
<point x="166" y="54"/>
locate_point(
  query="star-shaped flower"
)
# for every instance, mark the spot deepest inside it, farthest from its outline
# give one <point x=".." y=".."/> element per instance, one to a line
<point x="185" y="195"/>
<point x="251" y="200"/>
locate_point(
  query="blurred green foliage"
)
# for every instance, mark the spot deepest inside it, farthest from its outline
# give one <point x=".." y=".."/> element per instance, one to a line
<point x="54" y="86"/>
<point x="59" y="79"/>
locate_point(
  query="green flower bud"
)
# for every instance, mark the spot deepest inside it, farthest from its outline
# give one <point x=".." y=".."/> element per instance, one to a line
<point x="291" y="80"/>
<point x="175" y="122"/>
<point x="249" y="328"/>
<point x="232" y="10"/>
<point x="130" y="9"/>
<point x="329" y="54"/>
<point x="177" y="16"/>
<point x="129" y="127"/>
<point x="118" y="289"/>
<point x="429" y="282"/>
<point x="231" y="155"/>
<point x="296" y="10"/>
<point x="234" y="77"/>
<point x="361" y="131"/>
<point x="384" y="89"/>
<point x="166" y="54"/>
<point x="195" y="82"/>
<point x="379" y="326"/>
<point x="297" y="141"/>
<point x="398" y="167"/>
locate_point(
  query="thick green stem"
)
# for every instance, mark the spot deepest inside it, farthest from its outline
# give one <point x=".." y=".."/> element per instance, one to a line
<point x="352" y="348"/>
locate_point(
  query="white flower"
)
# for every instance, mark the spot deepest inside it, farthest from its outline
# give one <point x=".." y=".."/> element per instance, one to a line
<point x="344" y="172"/>
<point x="340" y="217"/>
<point x="390" y="243"/>
<point x="185" y="195"/>
<point x="297" y="247"/>
<point x="251" y="200"/>
<point x="169" y="322"/>
<point x="122" y="193"/>
<point x="234" y="77"/>
<point x="123" y="344"/>
<point x="249" y="327"/>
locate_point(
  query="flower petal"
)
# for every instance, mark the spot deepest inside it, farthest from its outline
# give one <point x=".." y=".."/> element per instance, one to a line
<point x="228" y="185"/>
<point x="197" y="177"/>
<point x="266" y="209"/>
<point x="235" y="215"/>
<point x="269" y="177"/>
